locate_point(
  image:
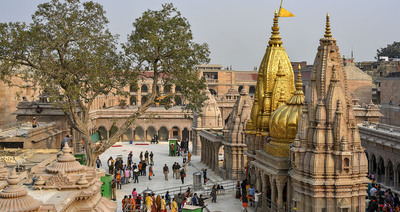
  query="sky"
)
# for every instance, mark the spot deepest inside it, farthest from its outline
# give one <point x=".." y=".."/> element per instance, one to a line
<point x="237" y="31"/>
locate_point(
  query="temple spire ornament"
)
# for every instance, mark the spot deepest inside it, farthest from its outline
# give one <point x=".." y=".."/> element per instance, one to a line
<point x="328" y="27"/>
<point x="275" y="38"/>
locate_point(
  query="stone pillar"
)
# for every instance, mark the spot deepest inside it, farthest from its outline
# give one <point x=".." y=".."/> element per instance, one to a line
<point x="263" y="198"/>
<point x="208" y="158"/>
<point x="387" y="181"/>
<point x="370" y="170"/>
<point x="273" y="191"/>
<point x="396" y="179"/>
<point x="197" y="146"/>
<point x="280" y="186"/>
<point x="202" y="157"/>
<point x="258" y="182"/>
<point x="307" y="203"/>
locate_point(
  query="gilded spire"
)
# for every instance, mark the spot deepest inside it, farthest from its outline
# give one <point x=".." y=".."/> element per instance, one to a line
<point x="275" y="38"/>
<point x="328" y="27"/>
<point x="299" y="81"/>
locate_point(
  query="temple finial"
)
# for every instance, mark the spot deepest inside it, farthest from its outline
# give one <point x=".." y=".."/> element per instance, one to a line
<point x="275" y="38"/>
<point x="299" y="81"/>
<point x="328" y="27"/>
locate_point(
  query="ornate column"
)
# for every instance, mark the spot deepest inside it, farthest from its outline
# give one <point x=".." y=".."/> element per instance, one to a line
<point x="202" y="150"/>
<point x="387" y="181"/>
<point x="273" y="191"/>
<point x="280" y="185"/>
<point x="263" y="198"/>
<point x="370" y="170"/>
<point x="258" y="182"/>
<point x="396" y="179"/>
<point x="209" y="152"/>
<point x="198" y="144"/>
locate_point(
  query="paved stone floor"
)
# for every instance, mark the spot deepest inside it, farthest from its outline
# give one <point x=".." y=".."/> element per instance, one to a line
<point x="226" y="202"/>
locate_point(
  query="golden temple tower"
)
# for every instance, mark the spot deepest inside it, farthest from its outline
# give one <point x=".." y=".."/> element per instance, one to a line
<point x="329" y="166"/>
<point x="275" y="85"/>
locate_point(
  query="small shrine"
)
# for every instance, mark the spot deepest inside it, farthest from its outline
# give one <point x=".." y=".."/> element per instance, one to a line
<point x="16" y="198"/>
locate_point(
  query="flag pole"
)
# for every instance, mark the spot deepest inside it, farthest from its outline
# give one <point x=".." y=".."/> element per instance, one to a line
<point x="280" y="6"/>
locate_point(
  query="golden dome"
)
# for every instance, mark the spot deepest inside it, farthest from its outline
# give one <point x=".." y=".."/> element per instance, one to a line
<point x="284" y="121"/>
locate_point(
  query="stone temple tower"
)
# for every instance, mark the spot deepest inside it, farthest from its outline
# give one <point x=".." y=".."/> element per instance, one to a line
<point x="329" y="166"/>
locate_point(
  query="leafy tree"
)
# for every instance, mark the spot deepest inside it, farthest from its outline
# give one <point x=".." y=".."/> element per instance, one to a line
<point x="163" y="42"/>
<point x="391" y="50"/>
<point x="68" y="52"/>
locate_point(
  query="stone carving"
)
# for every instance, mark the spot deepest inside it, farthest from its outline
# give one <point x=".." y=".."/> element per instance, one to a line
<point x="60" y="180"/>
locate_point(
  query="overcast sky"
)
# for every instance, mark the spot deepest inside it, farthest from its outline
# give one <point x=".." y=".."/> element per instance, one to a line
<point x="237" y="31"/>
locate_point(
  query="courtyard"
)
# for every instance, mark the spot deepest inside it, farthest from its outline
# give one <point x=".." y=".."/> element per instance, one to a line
<point x="225" y="202"/>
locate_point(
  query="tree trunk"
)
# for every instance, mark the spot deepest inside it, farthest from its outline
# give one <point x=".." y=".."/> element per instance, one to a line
<point x="90" y="158"/>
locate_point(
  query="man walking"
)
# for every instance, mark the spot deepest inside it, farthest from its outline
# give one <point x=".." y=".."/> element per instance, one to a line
<point x="166" y="171"/>
<point x="256" y="200"/>
<point x="144" y="168"/>
<point x="110" y="163"/>
<point x="183" y="175"/>
<point x="173" y="170"/>
<point x="146" y="157"/>
<point x="178" y="167"/>
<point x="114" y="190"/>
<point x="151" y="158"/>
<point x="205" y="176"/>
<point x="64" y="141"/>
<point x="136" y="175"/>
<point x="150" y="171"/>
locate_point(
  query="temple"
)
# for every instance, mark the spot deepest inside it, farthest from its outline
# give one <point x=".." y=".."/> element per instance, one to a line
<point x="329" y="166"/>
<point x="309" y="155"/>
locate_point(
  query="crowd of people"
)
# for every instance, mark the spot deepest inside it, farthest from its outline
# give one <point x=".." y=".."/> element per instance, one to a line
<point x="161" y="203"/>
<point x="381" y="200"/>
<point x="129" y="172"/>
<point x="247" y="194"/>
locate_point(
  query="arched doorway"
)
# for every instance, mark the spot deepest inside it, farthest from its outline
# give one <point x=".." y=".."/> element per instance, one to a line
<point x="102" y="132"/>
<point x="133" y="88"/>
<point x="158" y="90"/>
<point x="252" y="91"/>
<point x="240" y="88"/>
<point x="175" y="133"/>
<point x="374" y="165"/>
<point x="163" y="134"/>
<point x="143" y="100"/>
<point x="178" y="100"/>
<point x="267" y="189"/>
<point x="390" y="173"/>
<point x="144" y="89"/>
<point x="139" y="134"/>
<point x="150" y="132"/>
<point x="113" y="130"/>
<point x="185" y="134"/>
<point x="132" y="100"/>
<point x="127" y="136"/>
<point x="381" y="170"/>
<point x="221" y="156"/>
